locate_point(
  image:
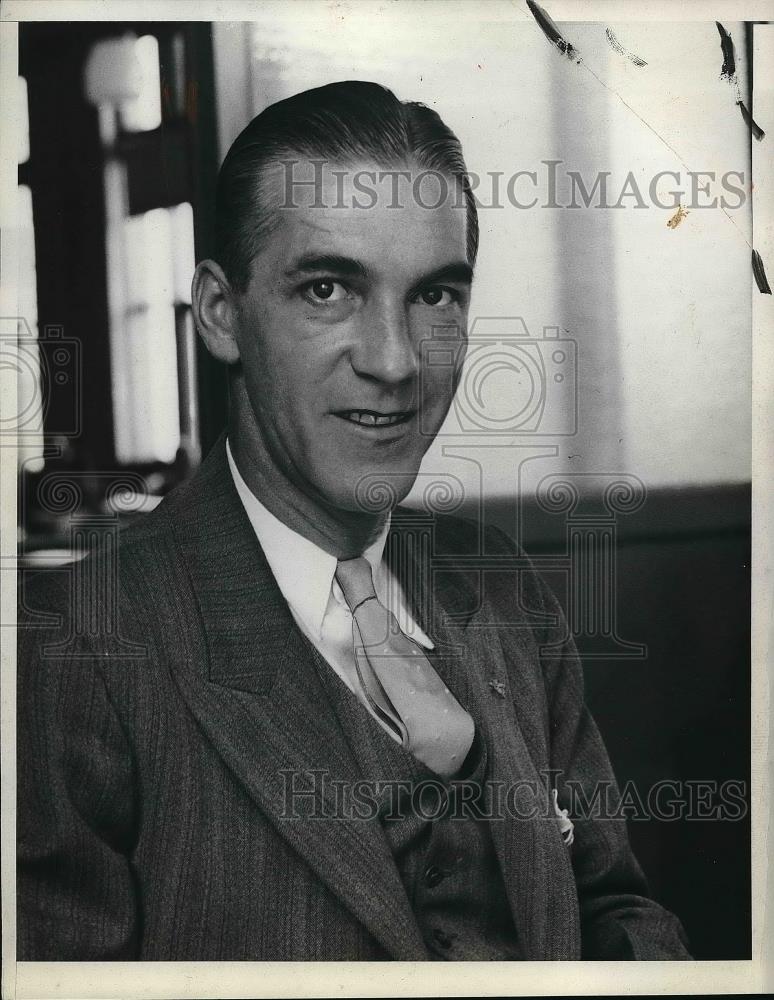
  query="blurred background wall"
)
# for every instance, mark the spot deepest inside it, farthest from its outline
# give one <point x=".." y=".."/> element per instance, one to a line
<point x="629" y="340"/>
<point x="661" y="316"/>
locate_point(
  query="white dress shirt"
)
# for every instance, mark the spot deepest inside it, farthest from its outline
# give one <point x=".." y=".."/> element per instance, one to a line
<point x="305" y="574"/>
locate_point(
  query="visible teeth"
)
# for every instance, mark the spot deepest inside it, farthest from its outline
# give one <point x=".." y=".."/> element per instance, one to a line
<point x="373" y="419"/>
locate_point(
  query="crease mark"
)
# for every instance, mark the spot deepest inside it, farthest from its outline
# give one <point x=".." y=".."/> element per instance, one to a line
<point x="552" y="33"/>
<point x="754" y="127"/>
<point x="621" y="50"/>
<point x="759" y="273"/>
<point x="728" y="72"/>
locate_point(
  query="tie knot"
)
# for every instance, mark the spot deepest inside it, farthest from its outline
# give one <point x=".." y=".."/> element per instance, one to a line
<point x="355" y="580"/>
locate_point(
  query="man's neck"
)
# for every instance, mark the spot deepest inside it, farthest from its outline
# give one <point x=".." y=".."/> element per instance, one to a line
<point x="342" y="533"/>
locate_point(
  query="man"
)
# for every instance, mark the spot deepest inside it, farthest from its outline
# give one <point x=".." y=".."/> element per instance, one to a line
<point x="301" y="741"/>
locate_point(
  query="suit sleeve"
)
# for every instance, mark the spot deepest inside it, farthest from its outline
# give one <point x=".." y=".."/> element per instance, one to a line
<point x="75" y="893"/>
<point x="619" y="919"/>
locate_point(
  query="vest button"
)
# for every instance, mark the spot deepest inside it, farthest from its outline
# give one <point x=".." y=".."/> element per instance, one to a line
<point x="432" y="801"/>
<point x="434" y="876"/>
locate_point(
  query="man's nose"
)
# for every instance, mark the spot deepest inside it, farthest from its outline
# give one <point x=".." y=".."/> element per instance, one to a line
<point x="384" y="349"/>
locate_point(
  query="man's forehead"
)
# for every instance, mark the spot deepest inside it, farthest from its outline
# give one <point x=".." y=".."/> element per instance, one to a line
<point x="301" y="181"/>
<point x="365" y="210"/>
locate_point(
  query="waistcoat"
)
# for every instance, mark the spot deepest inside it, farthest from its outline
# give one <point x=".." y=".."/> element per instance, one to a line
<point x="443" y="851"/>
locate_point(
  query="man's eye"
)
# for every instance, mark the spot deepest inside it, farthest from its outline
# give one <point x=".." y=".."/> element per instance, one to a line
<point x="326" y="290"/>
<point x="436" y="297"/>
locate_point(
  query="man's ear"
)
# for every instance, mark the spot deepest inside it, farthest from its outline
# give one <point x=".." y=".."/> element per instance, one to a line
<point x="212" y="301"/>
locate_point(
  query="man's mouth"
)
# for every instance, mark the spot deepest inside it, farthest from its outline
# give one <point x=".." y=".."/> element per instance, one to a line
<point x="375" y="418"/>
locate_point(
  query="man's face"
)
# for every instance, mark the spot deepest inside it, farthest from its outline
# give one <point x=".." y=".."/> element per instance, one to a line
<point x="330" y="332"/>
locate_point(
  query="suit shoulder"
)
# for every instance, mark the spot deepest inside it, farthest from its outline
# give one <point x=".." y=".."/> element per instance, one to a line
<point x="130" y="568"/>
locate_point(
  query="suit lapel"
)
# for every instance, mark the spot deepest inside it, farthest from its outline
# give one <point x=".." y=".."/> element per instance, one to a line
<point x="534" y="861"/>
<point x="533" y="858"/>
<point x="255" y="692"/>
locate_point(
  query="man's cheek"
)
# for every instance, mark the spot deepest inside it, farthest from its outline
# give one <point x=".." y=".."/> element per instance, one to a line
<point x="438" y="390"/>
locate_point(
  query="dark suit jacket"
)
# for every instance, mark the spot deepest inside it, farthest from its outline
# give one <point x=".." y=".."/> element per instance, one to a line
<point x="152" y="746"/>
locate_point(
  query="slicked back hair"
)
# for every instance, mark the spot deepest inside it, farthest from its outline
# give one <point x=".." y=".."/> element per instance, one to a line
<point x="343" y="122"/>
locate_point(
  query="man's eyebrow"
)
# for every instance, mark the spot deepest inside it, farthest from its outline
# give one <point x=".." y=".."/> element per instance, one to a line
<point x="460" y="272"/>
<point x="315" y="262"/>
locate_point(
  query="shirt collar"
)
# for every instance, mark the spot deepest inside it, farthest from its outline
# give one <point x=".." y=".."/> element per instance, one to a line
<point x="304" y="572"/>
